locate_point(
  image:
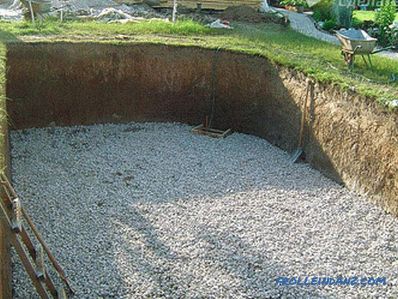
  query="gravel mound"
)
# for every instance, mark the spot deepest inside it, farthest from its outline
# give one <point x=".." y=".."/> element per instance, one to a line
<point x="151" y="210"/>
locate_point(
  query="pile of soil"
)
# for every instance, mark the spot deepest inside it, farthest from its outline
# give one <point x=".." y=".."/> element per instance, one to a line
<point x="245" y="13"/>
<point x="242" y="13"/>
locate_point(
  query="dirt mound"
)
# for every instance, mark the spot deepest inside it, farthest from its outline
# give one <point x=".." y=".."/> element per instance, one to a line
<point x="244" y="13"/>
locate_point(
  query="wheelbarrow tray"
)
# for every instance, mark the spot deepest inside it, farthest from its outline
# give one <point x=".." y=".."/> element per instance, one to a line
<point x="356" y="41"/>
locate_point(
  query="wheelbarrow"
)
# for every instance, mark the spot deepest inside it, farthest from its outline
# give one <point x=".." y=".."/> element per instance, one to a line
<point x="357" y="42"/>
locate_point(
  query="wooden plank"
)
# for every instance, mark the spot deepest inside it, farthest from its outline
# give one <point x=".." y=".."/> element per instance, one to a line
<point x="28" y="243"/>
<point x="32" y="251"/>
<point x="40" y="264"/>
<point x="12" y="194"/>
<point x="226" y="133"/>
<point x="50" y="285"/>
<point x="128" y="1"/>
<point x="61" y="293"/>
<point x="217" y="5"/>
<point x="28" y="266"/>
<point x="200" y="129"/>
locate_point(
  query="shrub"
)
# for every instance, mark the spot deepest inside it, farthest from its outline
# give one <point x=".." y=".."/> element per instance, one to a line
<point x="393" y="37"/>
<point x="386" y="15"/>
<point x="323" y="10"/>
<point x="357" y="23"/>
<point x="384" y="18"/>
<point x="329" y="25"/>
<point x="296" y="3"/>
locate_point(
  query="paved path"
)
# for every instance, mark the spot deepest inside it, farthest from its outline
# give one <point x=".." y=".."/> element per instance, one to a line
<point x="305" y="25"/>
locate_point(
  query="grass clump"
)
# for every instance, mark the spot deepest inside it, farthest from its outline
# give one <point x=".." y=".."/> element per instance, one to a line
<point x="367" y="15"/>
<point x="54" y="27"/>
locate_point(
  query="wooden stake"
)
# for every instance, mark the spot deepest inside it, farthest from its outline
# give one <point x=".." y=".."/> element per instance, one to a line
<point x="32" y="14"/>
<point x="174" y="16"/>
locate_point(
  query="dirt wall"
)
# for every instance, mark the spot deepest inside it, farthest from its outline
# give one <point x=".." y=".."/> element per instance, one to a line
<point x="5" y="257"/>
<point x="5" y="270"/>
<point x="348" y="137"/>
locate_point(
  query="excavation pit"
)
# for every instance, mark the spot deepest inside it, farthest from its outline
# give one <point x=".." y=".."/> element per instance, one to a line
<point x="135" y="205"/>
<point x="151" y="210"/>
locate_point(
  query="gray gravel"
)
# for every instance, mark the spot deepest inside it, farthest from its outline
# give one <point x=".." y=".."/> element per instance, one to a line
<point x="151" y="210"/>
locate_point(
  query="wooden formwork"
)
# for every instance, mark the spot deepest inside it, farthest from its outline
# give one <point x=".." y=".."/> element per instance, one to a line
<point x="204" y="4"/>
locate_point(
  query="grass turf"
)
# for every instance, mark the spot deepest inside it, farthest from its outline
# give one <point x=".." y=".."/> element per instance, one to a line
<point x="282" y="45"/>
<point x="367" y="15"/>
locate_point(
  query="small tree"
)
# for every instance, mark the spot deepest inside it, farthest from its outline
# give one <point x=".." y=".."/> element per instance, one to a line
<point x="384" y="19"/>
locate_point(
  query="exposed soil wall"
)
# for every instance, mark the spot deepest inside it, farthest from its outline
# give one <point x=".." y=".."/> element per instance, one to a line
<point x="347" y="137"/>
<point x="5" y="258"/>
<point x="5" y="277"/>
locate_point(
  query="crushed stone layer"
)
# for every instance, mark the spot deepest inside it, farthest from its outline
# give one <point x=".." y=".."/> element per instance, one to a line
<point x="150" y="210"/>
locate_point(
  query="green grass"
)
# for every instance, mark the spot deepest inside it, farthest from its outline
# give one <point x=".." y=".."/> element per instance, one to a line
<point x="367" y="15"/>
<point x="281" y="45"/>
<point x="53" y="27"/>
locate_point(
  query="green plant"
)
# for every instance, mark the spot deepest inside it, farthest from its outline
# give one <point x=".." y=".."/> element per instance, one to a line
<point x="393" y="37"/>
<point x="296" y="3"/>
<point x="323" y="10"/>
<point x="355" y="23"/>
<point x="384" y="18"/>
<point x="342" y="12"/>
<point x="329" y="25"/>
<point x="386" y="15"/>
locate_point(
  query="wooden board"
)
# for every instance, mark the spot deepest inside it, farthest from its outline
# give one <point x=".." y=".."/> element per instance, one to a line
<point x="202" y="130"/>
<point x="193" y="4"/>
<point x="211" y="4"/>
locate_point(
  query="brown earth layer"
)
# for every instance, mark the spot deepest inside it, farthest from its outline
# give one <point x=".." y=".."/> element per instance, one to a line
<point x="347" y="137"/>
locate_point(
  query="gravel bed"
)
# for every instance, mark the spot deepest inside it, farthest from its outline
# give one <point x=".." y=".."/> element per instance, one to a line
<point x="150" y="210"/>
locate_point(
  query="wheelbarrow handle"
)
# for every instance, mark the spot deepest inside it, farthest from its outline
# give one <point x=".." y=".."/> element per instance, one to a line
<point x="383" y="49"/>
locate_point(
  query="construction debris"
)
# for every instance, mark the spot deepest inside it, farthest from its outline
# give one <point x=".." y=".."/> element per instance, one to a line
<point x="110" y="14"/>
<point x="218" y="24"/>
<point x="90" y="9"/>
